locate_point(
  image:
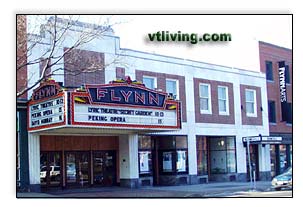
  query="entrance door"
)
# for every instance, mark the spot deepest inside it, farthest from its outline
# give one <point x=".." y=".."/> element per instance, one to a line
<point x="77" y="168"/>
<point x="254" y="158"/>
<point x="104" y="166"/>
<point x="50" y="169"/>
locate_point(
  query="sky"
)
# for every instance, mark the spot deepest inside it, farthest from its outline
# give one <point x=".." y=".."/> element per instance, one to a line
<point x="241" y="52"/>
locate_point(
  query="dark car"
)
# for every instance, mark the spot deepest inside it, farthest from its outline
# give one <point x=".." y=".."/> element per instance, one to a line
<point x="283" y="180"/>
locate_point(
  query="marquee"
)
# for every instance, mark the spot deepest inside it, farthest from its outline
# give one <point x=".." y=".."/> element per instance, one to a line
<point x="116" y="105"/>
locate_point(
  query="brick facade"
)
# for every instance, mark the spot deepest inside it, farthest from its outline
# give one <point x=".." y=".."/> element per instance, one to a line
<point x="21" y="54"/>
<point x="275" y="54"/>
<point x="246" y="120"/>
<point x="83" y="66"/>
<point x="214" y="117"/>
<point x="161" y="84"/>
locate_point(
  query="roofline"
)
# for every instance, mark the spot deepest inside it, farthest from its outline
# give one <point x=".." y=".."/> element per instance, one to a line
<point x="277" y="46"/>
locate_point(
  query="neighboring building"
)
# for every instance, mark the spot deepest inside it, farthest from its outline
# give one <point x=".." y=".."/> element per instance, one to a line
<point x="279" y="106"/>
<point x="71" y="141"/>
<point x="22" y="180"/>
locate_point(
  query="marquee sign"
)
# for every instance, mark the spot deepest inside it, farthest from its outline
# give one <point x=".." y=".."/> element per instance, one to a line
<point x="124" y="105"/>
<point x="116" y="105"/>
<point x="47" y="107"/>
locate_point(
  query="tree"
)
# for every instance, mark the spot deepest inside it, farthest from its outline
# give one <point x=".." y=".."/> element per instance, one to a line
<point x="49" y="42"/>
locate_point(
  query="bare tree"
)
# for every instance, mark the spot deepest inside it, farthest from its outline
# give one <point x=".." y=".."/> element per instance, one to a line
<point x="51" y="37"/>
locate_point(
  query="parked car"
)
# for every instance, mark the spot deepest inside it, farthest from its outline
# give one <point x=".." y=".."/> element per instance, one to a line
<point x="283" y="180"/>
<point x="54" y="173"/>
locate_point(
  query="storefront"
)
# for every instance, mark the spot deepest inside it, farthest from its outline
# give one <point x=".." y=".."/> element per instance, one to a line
<point x="95" y="136"/>
<point x="216" y="158"/>
<point x="255" y="148"/>
<point x="281" y="154"/>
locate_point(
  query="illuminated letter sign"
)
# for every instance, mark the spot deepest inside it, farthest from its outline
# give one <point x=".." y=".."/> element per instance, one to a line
<point x="126" y="95"/>
<point x="46" y="90"/>
<point x="46" y="108"/>
<point x="124" y="105"/>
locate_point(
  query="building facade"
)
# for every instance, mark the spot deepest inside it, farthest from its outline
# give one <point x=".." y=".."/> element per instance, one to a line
<point x="216" y="113"/>
<point x="276" y="63"/>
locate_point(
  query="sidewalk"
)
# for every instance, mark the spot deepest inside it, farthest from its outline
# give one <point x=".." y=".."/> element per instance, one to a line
<point x="201" y="190"/>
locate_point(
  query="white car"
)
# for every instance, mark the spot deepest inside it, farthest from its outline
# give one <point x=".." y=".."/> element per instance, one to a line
<point x="54" y="173"/>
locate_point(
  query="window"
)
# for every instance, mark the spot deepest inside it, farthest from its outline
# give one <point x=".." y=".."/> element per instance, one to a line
<point x="222" y="155"/>
<point x="145" y="155"/>
<point x="287" y="76"/>
<point x="271" y="112"/>
<point x="201" y="144"/>
<point x="172" y="88"/>
<point x="205" y="99"/>
<point x="150" y="82"/>
<point x="223" y="100"/>
<point x="173" y="154"/>
<point x="289" y="113"/>
<point x="250" y="101"/>
<point x="269" y="72"/>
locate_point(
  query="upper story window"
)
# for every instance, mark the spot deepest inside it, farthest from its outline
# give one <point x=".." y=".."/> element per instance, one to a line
<point x="172" y="88"/>
<point x="271" y="112"/>
<point x="223" y="100"/>
<point x="251" y="103"/>
<point x="287" y="75"/>
<point x="150" y="82"/>
<point x="269" y="71"/>
<point x="205" y="98"/>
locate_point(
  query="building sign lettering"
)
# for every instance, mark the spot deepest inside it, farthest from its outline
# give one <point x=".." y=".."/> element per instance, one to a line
<point x="124" y="105"/>
<point x="283" y="94"/>
<point x="47" y="112"/>
<point x="128" y="95"/>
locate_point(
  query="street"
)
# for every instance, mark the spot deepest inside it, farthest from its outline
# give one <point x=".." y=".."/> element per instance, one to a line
<point x="275" y="194"/>
<point x="210" y="190"/>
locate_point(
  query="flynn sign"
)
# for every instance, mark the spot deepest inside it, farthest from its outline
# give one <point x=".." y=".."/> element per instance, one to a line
<point x="47" y="107"/>
<point x="124" y="105"/>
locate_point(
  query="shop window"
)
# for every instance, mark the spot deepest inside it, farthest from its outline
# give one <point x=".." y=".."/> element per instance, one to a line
<point x="173" y="154"/>
<point x="172" y="88"/>
<point x="150" y="82"/>
<point x="269" y="72"/>
<point x="223" y="100"/>
<point x="145" y="155"/>
<point x="273" y="160"/>
<point x="271" y="112"/>
<point x="250" y="102"/>
<point x="222" y="155"/>
<point x="205" y="98"/>
<point x="283" y="158"/>
<point x="201" y="144"/>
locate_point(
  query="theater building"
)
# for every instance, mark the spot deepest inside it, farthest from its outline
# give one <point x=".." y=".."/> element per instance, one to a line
<point x="276" y="63"/>
<point x="153" y="120"/>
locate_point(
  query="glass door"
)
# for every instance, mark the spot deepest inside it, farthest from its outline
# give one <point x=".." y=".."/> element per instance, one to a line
<point x="83" y="168"/>
<point x="50" y="169"/>
<point x="104" y="166"/>
<point x="70" y="168"/>
<point x="254" y="158"/>
<point x="77" y="168"/>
